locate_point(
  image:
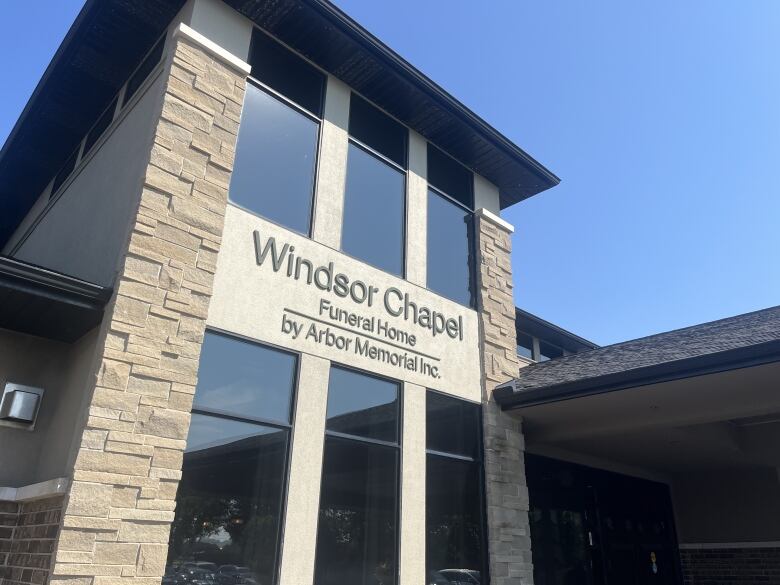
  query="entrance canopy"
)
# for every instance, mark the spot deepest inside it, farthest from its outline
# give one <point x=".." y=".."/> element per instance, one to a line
<point x="697" y="408"/>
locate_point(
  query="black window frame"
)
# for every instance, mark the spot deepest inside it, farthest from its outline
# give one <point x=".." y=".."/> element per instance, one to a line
<point x="272" y="423"/>
<point x="479" y="462"/>
<point x="296" y="107"/>
<point x="472" y="250"/>
<point x="398" y="446"/>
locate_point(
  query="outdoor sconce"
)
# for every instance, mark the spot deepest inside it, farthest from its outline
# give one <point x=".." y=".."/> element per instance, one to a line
<point x="19" y="405"/>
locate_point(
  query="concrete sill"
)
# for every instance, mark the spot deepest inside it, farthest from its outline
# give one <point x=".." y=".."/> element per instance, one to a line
<point x="35" y="491"/>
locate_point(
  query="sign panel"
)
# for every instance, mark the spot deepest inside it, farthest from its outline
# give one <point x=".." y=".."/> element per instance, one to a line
<point x="282" y="288"/>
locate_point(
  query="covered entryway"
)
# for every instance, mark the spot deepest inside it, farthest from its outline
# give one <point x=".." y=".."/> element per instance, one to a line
<point x="666" y="442"/>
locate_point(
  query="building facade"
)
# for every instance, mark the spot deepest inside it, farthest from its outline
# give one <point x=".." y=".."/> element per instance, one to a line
<point x="299" y="300"/>
<point x="257" y="323"/>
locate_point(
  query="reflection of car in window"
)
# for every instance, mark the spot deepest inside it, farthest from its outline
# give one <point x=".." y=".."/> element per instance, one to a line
<point x="235" y="575"/>
<point x="457" y="577"/>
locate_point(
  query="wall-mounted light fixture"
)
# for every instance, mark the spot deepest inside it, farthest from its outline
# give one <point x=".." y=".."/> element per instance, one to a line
<point x="19" y="405"/>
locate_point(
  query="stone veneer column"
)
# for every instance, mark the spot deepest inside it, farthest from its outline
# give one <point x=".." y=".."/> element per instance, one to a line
<point x="509" y="543"/>
<point x="120" y="505"/>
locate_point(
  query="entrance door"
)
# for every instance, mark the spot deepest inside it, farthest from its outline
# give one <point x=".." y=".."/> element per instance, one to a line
<point x="591" y="527"/>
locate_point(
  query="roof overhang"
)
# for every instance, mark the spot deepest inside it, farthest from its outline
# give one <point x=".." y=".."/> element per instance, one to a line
<point x="510" y="397"/>
<point x="41" y="302"/>
<point x="109" y="37"/>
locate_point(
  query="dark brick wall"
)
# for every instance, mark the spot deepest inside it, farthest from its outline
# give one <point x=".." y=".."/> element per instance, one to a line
<point x="731" y="566"/>
<point x="27" y="535"/>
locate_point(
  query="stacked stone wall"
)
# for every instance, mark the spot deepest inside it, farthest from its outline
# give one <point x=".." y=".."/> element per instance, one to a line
<point x="120" y="506"/>
<point x="509" y="542"/>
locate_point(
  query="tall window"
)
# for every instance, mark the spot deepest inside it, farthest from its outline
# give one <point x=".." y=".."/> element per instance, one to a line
<point x="455" y="523"/>
<point x="450" y="228"/>
<point x="357" y="537"/>
<point x="276" y="154"/>
<point x="230" y="500"/>
<point x="375" y="195"/>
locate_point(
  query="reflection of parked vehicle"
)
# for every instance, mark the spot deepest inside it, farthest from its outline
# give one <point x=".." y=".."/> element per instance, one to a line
<point x="235" y="575"/>
<point x="457" y="577"/>
<point x="194" y="575"/>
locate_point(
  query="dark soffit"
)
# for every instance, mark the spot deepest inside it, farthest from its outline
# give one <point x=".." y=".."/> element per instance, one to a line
<point x="41" y="302"/>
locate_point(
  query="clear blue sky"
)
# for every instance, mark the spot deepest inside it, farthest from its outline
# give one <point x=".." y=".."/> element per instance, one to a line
<point x="662" y="120"/>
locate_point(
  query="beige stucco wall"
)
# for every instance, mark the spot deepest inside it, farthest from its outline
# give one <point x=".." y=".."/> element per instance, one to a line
<point x="63" y="371"/>
<point x="257" y="302"/>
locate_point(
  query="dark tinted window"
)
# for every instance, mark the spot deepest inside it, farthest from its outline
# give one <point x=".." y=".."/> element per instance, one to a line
<point x="100" y="126"/>
<point x="525" y="345"/>
<point x="450" y="177"/>
<point x="362" y="405"/>
<point x="374" y="203"/>
<point x="245" y="379"/>
<point x="229" y="502"/>
<point x="452" y="425"/>
<point x="143" y="71"/>
<point x="287" y="73"/>
<point x="454" y="502"/>
<point x="65" y="172"/>
<point x="454" y="524"/>
<point x="357" y="532"/>
<point x="377" y="130"/>
<point x="450" y="249"/>
<point x="548" y="351"/>
<point x="273" y="174"/>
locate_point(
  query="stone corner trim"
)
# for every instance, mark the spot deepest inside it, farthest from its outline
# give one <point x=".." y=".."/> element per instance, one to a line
<point x="496" y="220"/>
<point x="509" y="542"/>
<point x="118" y="512"/>
<point x="212" y="48"/>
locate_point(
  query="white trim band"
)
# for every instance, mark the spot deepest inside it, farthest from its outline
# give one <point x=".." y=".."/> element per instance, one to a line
<point x="725" y="545"/>
<point x="212" y="48"/>
<point x="35" y="491"/>
<point x="494" y="219"/>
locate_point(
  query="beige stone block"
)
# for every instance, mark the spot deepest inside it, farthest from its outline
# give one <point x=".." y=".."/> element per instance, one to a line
<point x="112" y="463"/>
<point x="167" y="490"/>
<point x="124" y="497"/>
<point x="116" y="341"/>
<point x="168" y="375"/>
<point x="180" y="401"/>
<point x="165" y="473"/>
<point x="127" y="579"/>
<point x="113" y="374"/>
<point x="167" y="458"/>
<point x="115" y="399"/>
<point x="142" y="514"/>
<point x="130" y="448"/>
<point x="67" y="556"/>
<point x="170" y="424"/>
<point x="89" y="499"/>
<point x="179" y="364"/>
<point x="184" y="115"/>
<point x="93" y="439"/>
<point x="116" y="553"/>
<point x="166" y="160"/>
<point x="149" y="386"/>
<point x="180" y="444"/>
<point x="183" y="209"/>
<point x="151" y="559"/>
<point x="130" y="311"/>
<point x="177" y="236"/>
<point x="67" y="580"/>
<point x="82" y="540"/>
<point x="86" y="569"/>
<point x="148" y="293"/>
<point x="160" y="249"/>
<point x="143" y="531"/>
<point x="191" y="329"/>
<point x="156" y="504"/>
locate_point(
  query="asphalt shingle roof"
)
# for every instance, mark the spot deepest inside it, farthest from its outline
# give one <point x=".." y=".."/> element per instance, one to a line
<point x="737" y="332"/>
